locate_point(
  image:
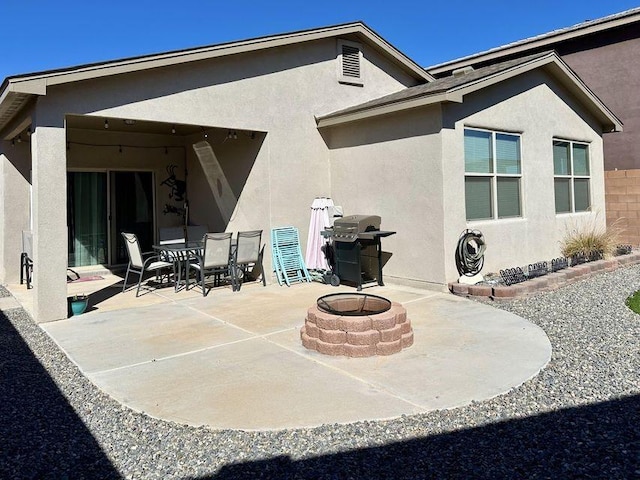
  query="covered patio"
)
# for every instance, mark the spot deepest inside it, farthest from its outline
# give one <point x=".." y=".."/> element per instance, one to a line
<point x="235" y="359"/>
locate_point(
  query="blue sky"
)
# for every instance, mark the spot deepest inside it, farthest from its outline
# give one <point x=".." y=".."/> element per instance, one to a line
<point x="46" y="34"/>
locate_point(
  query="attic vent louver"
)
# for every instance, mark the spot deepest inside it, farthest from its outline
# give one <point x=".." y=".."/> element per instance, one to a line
<point x="350" y="61"/>
<point x="462" y="71"/>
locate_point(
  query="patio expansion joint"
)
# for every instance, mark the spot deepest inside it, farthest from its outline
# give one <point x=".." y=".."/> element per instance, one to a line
<point x="171" y="357"/>
<point x="355" y="377"/>
<point x="314" y="360"/>
<point x="419" y="299"/>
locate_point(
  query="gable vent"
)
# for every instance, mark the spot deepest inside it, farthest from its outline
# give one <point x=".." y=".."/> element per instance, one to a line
<point x="350" y="61"/>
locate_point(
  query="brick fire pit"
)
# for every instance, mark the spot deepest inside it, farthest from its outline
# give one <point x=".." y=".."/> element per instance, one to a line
<point x="356" y="325"/>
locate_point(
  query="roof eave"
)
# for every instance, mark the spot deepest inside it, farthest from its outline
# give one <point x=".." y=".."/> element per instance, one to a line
<point x="171" y="58"/>
<point x="550" y="61"/>
<point x="553" y="63"/>
<point x="385" y="109"/>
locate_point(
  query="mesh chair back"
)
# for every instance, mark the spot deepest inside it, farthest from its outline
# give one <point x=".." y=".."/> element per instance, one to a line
<point x="248" y="249"/>
<point x="196" y="233"/>
<point x="169" y="235"/>
<point x="217" y="250"/>
<point x="133" y="248"/>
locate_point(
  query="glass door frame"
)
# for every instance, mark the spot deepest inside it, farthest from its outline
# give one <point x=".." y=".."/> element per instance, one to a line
<point x="110" y="214"/>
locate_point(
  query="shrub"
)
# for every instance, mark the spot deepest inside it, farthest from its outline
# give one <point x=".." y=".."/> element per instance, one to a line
<point x="590" y="240"/>
<point x="633" y="302"/>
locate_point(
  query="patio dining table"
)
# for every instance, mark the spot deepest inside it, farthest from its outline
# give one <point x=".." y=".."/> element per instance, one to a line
<point x="180" y="253"/>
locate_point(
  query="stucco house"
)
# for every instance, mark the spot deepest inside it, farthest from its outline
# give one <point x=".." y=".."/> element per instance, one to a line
<point x="605" y="52"/>
<point x="245" y="135"/>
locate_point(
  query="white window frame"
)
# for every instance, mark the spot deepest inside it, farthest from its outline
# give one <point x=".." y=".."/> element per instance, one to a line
<point x="495" y="175"/>
<point x="349" y="80"/>
<point x="572" y="176"/>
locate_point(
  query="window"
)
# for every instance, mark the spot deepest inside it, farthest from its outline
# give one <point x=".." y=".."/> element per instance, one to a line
<point x="571" y="176"/>
<point x="349" y="63"/>
<point x="492" y="174"/>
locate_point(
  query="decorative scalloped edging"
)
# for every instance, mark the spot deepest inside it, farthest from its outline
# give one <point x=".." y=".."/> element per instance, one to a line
<point x="357" y="336"/>
<point x="547" y="282"/>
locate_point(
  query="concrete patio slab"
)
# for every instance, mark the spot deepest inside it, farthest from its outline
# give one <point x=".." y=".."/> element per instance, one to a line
<point x="116" y="339"/>
<point x="249" y="385"/>
<point x="235" y="359"/>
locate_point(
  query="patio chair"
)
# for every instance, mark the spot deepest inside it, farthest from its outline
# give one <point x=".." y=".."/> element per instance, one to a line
<point x="168" y="235"/>
<point x="287" y="256"/>
<point x="138" y="264"/>
<point x="195" y="233"/>
<point x="217" y="258"/>
<point x="249" y="253"/>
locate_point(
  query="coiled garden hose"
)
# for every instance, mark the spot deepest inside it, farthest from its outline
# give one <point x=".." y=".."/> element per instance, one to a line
<point x="470" y="253"/>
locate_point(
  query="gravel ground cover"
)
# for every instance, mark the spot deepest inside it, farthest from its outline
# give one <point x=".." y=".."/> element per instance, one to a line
<point x="577" y="419"/>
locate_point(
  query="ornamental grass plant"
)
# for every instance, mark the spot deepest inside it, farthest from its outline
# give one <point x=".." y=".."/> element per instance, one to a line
<point x="591" y="240"/>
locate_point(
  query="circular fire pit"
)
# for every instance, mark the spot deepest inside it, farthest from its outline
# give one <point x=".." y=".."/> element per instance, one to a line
<point x="356" y="325"/>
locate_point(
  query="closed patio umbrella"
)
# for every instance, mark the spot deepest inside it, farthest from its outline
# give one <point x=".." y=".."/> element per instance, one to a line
<point x="314" y="258"/>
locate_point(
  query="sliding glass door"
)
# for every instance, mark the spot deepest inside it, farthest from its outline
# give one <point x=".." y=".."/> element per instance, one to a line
<point x="131" y="211"/>
<point x="101" y="205"/>
<point x="87" y="218"/>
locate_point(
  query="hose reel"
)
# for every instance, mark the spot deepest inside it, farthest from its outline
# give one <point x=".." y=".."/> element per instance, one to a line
<point x="470" y="253"/>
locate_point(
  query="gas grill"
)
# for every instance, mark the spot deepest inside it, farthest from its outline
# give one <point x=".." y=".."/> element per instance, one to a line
<point x="357" y="249"/>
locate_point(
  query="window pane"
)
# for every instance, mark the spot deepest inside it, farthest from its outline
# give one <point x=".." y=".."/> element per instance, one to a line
<point x="507" y="153"/>
<point x="561" y="158"/>
<point x="478" y="197"/>
<point x="580" y="159"/>
<point x="581" y="192"/>
<point x="477" y="152"/>
<point x="508" y="197"/>
<point x="563" y="195"/>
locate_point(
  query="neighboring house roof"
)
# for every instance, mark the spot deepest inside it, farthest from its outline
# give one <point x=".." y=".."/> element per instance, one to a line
<point x="17" y="91"/>
<point x="455" y="87"/>
<point x="546" y="41"/>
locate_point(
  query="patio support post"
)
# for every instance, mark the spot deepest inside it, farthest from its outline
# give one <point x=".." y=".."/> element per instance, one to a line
<point x="48" y="149"/>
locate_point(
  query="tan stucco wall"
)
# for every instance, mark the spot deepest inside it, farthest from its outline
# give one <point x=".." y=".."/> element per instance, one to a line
<point x="392" y="166"/>
<point x="15" y="166"/>
<point x="409" y="168"/>
<point x="540" y="112"/>
<point x="277" y="92"/>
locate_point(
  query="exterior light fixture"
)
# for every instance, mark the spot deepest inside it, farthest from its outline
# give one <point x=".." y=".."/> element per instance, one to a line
<point x="106" y="123"/>
<point x="173" y="129"/>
